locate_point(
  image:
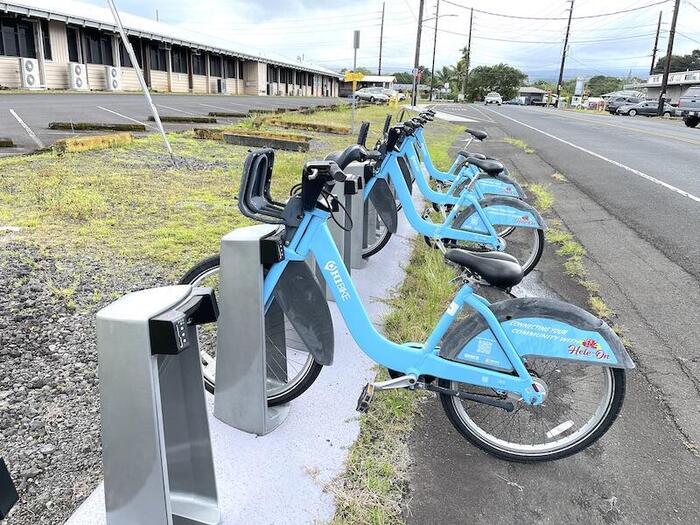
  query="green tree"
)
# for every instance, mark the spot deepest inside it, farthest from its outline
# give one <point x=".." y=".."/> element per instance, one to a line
<point x="363" y="70"/>
<point x="446" y="75"/>
<point x="602" y="84"/>
<point x="680" y="62"/>
<point x="406" y="77"/>
<point x="502" y="78"/>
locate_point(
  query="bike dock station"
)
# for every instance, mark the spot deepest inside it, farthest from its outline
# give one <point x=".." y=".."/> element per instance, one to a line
<point x="245" y="355"/>
<point x="319" y="426"/>
<point x="158" y="463"/>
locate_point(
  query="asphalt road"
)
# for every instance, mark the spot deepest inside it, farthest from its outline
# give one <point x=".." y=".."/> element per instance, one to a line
<point x="631" y="200"/>
<point x="25" y="117"/>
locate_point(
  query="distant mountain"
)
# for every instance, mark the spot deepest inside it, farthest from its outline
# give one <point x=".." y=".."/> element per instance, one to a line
<point x="551" y="75"/>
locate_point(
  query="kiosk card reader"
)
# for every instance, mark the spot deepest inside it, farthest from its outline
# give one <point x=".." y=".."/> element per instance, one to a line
<point x="156" y="447"/>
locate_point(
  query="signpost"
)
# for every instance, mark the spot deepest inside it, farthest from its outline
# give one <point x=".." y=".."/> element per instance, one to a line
<point x="353" y="76"/>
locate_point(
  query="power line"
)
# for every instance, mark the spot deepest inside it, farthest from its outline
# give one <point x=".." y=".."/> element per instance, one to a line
<point x="688" y="37"/>
<point x="600" y="15"/>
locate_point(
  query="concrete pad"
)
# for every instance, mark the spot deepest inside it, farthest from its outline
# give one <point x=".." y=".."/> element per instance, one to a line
<point x="280" y="478"/>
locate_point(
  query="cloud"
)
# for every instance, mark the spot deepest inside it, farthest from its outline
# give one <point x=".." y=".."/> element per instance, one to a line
<point x="322" y="31"/>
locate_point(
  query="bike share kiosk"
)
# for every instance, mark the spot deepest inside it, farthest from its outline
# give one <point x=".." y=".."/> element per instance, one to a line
<point x="156" y="447"/>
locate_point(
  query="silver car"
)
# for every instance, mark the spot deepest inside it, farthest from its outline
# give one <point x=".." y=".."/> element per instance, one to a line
<point x="371" y="95"/>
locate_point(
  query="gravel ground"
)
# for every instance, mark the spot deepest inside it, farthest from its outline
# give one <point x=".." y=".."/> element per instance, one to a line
<point x="49" y="402"/>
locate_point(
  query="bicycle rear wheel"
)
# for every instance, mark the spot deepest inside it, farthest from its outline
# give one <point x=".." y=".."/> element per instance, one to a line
<point x="290" y="371"/>
<point x="582" y="402"/>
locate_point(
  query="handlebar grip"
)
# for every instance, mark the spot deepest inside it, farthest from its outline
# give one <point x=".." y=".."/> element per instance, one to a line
<point x="337" y="173"/>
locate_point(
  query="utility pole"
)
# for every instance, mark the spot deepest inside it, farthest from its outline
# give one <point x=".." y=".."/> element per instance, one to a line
<point x="656" y="45"/>
<point x="416" y="62"/>
<point x="432" y="68"/>
<point x="563" y="53"/>
<point x="381" y="41"/>
<point x="667" y="65"/>
<point x="467" y="56"/>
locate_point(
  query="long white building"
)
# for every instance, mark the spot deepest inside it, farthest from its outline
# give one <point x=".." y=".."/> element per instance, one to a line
<point x="64" y="44"/>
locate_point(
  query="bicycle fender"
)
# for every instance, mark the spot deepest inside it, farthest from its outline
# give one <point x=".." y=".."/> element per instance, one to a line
<point x="304" y="304"/>
<point x="500" y="211"/>
<point x="501" y="185"/>
<point x="383" y="200"/>
<point x="536" y="327"/>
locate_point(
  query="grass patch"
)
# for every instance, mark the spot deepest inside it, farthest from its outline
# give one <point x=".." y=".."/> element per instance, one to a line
<point x="375" y="481"/>
<point x="89" y="143"/>
<point x="134" y="203"/>
<point x="518" y="143"/>
<point x="543" y="197"/>
<point x="558" y="177"/>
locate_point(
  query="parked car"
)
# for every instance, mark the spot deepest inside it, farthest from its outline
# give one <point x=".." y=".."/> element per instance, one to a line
<point x="616" y="102"/>
<point x="371" y="94"/>
<point x="648" y="108"/>
<point x="517" y="101"/>
<point x="689" y="107"/>
<point x="393" y="93"/>
<point x="493" y="98"/>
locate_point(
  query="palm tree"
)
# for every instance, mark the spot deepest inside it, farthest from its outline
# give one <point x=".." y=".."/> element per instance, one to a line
<point x="447" y="75"/>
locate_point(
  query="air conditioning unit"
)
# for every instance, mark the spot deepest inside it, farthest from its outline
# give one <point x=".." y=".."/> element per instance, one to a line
<point x="113" y="78"/>
<point x="29" y="71"/>
<point x="77" y="76"/>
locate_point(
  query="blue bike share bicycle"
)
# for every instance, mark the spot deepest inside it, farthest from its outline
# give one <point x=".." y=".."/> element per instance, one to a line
<point x="524" y="379"/>
<point x="491" y="223"/>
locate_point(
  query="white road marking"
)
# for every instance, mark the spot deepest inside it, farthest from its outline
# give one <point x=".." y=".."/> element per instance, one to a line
<point x="606" y="159"/>
<point x="175" y="109"/>
<point x="125" y="117"/>
<point x="29" y="131"/>
<point x="217" y="107"/>
<point x="484" y="115"/>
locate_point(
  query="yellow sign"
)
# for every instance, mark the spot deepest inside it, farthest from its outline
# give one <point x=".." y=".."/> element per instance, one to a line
<point x="352" y="76"/>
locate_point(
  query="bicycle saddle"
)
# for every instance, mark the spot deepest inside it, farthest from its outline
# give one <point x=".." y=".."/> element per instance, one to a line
<point x="469" y="154"/>
<point x="492" y="167"/>
<point x="477" y="134"/>
<point x="496" y="268"/>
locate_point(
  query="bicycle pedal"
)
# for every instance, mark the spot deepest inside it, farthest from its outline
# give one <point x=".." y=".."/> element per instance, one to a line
<point x="365" y="398"/>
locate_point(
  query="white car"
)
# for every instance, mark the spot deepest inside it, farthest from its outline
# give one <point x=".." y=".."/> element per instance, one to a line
<point x="393" y="93"/>
<point x="371" y="95"/>
<point x="493" y="98"/>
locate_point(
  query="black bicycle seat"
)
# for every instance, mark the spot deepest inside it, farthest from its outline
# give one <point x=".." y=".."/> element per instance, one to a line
<point x="477" y="134"/>
<point x="496" y="268"/>
<point x="491" y="167"/>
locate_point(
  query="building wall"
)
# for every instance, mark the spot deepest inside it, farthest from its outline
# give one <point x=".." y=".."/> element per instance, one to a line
<point x="180" y="83"/>
<point x="255" y="78"/>
<point x="199" y="84"/>
<point x="159" y="80"/>
<point x="214" y="84"/>
<point x="56" y="69"/>
<point x="96" y="77"/>
<point x="9" y="72"/>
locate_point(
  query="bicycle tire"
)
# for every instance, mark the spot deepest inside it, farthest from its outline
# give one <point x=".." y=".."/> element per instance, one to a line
<point x="302" y="385"/>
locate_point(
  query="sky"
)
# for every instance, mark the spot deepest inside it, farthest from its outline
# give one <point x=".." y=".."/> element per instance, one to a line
<point x="322" y="32"/>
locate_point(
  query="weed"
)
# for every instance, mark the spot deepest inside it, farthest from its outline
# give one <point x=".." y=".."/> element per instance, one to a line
<point x="543" y="197"/>
<point x="558" y="177"/>
<point x="599" y="308"/>
<point x="518" y="143"/>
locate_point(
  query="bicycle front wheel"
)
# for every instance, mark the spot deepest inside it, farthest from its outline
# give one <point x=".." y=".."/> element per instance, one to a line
<point x="582" y="402"/>
<point x="290" y="371"/>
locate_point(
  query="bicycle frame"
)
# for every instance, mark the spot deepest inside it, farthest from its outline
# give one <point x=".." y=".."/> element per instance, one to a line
<point x="483" y="232"/>
<point x="313" y="237"/>
<point x="480" y="185"/>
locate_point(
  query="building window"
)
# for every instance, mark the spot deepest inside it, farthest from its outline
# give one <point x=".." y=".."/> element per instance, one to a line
<point x="97" y="47"/>
<point x="199" y="64"/>
<point x="17" y="38"/>
<point x="46" y="38"/>
<point x="231" y="64"/>
<point x="157" y="55"/>
<point x="124" y="59"/>
<point x="73" y="34"/>
<point x="215" y="66"/>
<point x="179" y="58"/>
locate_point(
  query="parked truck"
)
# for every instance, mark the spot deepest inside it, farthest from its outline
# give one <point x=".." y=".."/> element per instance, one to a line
<point x="689" y="107"/>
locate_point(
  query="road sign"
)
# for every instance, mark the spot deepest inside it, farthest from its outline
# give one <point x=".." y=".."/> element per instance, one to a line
<point x="354" y="76"/>
<point x="356" y="40"/>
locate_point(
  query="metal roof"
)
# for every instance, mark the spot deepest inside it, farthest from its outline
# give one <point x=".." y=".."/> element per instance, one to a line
<point x="378" y="78"/>
<point x="90" y="15"/>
